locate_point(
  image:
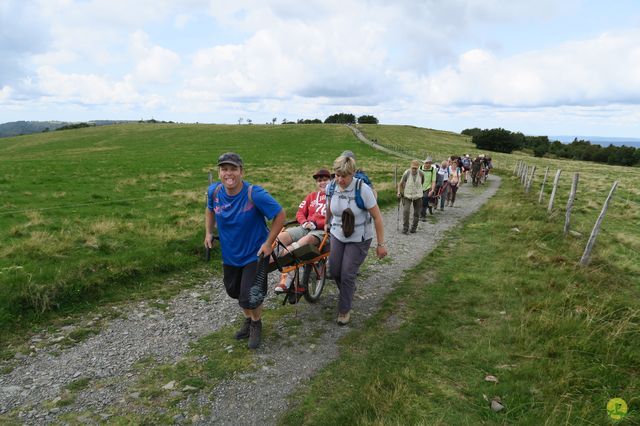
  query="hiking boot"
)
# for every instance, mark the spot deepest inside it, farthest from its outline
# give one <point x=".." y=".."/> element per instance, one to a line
<point x="430" y="210"/>
<point x="255" y="332"/>
<point x="423" y="219"/>
<point x="343" y="319"/>
<point x="405" y="231"/>
<point x="243" y="333"/>
<point x="284" y="284"/>
<point x="413" y="231"/>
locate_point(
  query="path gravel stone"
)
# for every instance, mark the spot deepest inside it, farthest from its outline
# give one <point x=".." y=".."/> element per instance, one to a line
<point x="163" y="330"/>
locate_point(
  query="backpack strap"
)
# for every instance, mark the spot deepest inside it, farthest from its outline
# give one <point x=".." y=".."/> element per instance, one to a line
<point x="359" y="200"/>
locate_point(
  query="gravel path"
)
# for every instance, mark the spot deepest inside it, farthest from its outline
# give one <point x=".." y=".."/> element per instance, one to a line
<point x="286" y="360"/>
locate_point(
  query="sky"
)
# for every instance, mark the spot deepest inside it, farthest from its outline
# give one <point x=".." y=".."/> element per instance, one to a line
<point x="539" y="67"/>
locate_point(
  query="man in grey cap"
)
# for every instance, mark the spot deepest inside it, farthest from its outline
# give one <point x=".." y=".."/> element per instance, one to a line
<point x="428" y="187"/>
<point x="238" y="210"/>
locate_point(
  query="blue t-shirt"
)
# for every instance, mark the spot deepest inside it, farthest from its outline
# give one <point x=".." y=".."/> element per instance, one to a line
<point x="241" y="225"/>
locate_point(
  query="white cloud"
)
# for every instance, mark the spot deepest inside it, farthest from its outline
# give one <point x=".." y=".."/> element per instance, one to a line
<point x="154" y="63"/>
<point x="87" y="89"/>
<point x="5" y="93"/>
<point x="600" y="71"/>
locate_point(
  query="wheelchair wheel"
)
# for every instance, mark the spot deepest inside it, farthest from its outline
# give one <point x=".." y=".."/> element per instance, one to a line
<point x="313" y="278"/>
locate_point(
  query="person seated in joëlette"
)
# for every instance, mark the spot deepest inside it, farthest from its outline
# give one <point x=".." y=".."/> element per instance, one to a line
<point x="311" y="217"/>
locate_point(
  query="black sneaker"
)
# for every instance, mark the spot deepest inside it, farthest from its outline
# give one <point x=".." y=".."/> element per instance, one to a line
<point x="243" y="333"/>
<point x="413" y="231"/>
<point x="255" y="332"/>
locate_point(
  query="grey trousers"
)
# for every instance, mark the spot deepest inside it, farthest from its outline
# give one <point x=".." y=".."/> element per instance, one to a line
<point x="344" y="261"/>
<point x="406" y="209"/>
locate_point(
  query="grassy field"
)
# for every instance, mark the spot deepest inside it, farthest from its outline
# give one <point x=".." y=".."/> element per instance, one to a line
<point x="561" y="340"/>
<point x="619" y="242"/>
<point x="95" y="215"/>
<point x="99" y="215"/>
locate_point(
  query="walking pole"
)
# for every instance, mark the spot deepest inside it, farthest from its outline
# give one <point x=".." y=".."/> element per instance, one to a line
<point x="395" y="189"/>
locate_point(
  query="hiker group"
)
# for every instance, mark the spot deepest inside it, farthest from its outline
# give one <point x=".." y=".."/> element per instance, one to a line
<point x="344" y="204"/>
<point x="424" y="185"/>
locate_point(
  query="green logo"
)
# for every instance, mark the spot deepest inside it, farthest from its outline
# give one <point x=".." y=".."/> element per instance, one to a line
<point x="617" y="408"/>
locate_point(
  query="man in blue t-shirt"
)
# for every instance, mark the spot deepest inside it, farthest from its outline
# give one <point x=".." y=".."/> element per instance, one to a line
<point x="238" y="210"/>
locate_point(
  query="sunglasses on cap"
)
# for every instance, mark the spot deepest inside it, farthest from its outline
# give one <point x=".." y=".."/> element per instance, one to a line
<point x="230" y="158"/>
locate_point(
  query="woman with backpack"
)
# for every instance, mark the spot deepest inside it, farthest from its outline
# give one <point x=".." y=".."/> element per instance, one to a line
<point x="351" y="209"/>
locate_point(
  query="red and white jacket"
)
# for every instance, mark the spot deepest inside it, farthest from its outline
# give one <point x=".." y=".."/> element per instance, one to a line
<point x="313" y="209"/>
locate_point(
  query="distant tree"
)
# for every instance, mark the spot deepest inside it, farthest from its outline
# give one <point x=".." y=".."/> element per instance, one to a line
<point x="75" y="126"/>
<point x="240" y="120"/>
<point x="249" y="121"/>
<point x="499" y="140"/>
<point x="539" y="144"/>
<point x="471" y="132"/>
<point x="273" y="120"/>
<point x="341" y="118"/>
<point x="284" y="121"/>
<point x="367" y="119"/>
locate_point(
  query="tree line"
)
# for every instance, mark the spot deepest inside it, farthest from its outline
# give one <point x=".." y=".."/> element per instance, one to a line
<point x="340" y="118"/>
<point x="502" y="140"/>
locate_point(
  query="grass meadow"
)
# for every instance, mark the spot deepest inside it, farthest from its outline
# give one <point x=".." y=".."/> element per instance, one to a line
<point x="102" y="214"/>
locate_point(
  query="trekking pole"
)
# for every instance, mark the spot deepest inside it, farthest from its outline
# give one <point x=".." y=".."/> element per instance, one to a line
<point x="207" y="253"/>
<point x="395" y="189"/>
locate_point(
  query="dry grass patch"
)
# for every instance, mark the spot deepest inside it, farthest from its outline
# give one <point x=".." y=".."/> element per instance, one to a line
<point x="187" y="197"/>
<point x="91" y="149"/>
<point x="103" y="227"/>
<point x="127" y="182"/>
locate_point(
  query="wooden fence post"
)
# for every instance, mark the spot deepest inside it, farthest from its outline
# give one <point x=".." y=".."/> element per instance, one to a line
<point x="519" y="168"/>
<point x="515" y="169"/>
<point x="596" y="229"/>
<point x="546" y="172"/>
<point x="553" y="191"/>
<point x="572" y="197"/>
<point x="210" y="177"/>
<point x="530" y="181"/>
<point x="523" y="178"/>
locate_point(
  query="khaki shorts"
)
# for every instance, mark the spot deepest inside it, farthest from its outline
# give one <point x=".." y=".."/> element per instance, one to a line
<point x="298" y="232"/>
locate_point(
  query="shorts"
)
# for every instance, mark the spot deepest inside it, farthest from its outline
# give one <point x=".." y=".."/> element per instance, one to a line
<point x="298" y="232"/>
<point x="238" y="281"/>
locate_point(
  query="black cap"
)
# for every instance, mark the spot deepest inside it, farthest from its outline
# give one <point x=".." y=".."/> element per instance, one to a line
<point x="322" y="172"/>
<point x="230" y="158"/>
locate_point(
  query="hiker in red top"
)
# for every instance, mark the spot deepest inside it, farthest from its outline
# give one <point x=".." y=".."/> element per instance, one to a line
<point x="311" y="217"/>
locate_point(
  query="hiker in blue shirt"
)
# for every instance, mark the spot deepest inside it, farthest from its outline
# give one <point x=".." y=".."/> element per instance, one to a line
<point x="238" y="210"/>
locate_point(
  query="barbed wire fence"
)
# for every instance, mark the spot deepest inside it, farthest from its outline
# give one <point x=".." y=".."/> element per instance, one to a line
<point x="526" y="175"/>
